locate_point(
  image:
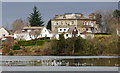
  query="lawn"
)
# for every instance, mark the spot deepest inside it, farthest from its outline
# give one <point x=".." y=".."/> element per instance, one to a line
<point x="102" y="35"/>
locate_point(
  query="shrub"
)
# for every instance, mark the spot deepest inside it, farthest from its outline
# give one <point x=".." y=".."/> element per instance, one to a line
<point x="26" y="43"/>
<point x="10" y="53"/>
<point x="40" y="42"/>
<point x="16" y="47"/>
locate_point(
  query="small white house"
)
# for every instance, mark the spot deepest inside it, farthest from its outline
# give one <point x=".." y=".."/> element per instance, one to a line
<point x="3" y="32"/>
<point x="29" y="33"/>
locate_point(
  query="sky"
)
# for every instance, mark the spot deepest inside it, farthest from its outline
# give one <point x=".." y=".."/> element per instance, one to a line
<point x="16" y="10"/>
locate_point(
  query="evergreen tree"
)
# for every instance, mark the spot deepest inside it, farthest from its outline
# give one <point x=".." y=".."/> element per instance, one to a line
<point x="35" y="18"/>
<point x="49" y="25"/>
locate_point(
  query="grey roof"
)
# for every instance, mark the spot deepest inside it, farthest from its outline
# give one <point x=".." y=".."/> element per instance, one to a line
<point x="72" y="13"/>
<point x="68" y="13"/>
<point x="34" y="28"/>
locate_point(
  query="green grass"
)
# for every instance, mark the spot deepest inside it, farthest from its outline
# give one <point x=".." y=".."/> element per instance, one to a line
<point x="102" y="36"/>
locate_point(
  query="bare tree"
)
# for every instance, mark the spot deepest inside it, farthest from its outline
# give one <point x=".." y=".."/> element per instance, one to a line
<point x="34" y="34"/>
<point x="18" y="24"/>
<point x="109" y="22"/>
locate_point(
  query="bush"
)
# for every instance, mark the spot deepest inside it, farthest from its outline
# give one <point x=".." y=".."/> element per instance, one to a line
<point x="10" y="53"/>
<point x="40" y="42"/>
<point x="16" y="47"/>
<point x="26" y="43"/>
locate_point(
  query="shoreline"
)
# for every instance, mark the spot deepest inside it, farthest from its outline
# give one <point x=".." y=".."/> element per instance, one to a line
<point x="57" y="68"/>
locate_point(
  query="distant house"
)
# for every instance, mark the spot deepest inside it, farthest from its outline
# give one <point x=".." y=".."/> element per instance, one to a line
<point x="29" y="33"/>
<point x="3" y="32"/>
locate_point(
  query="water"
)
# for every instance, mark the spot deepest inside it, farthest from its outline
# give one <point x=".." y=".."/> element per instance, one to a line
<point x="67" y="61"/>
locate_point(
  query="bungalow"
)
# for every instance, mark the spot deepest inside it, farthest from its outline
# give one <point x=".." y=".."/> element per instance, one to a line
<point x="29" y="33"/>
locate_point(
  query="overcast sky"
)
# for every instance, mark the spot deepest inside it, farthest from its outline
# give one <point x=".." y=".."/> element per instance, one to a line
<point x="15" y="10"/>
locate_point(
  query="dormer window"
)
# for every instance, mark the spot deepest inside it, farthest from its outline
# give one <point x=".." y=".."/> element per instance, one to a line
<point x="3" y="35"/>
<point x="60" y="29"/>
<point x="66" y="34"/>
<point x="64" y="29"/>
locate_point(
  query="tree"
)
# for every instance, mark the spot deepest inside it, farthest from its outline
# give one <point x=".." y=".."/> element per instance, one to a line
<point x="98" y="16"/>
<point x="99" y="19"/>
<point x="18" y="25"/>
<point x="116" y="14"/>
<point x="49" y="25"/>
<point x="35" y="18"/>
<point x="7" y="45"/>
<point x="34" y="34"/>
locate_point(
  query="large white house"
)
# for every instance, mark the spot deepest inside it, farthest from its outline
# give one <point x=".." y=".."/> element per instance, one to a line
<point x="3" y="32"/>
<point x="29" y="33"/>
<point x="67" y="30"/>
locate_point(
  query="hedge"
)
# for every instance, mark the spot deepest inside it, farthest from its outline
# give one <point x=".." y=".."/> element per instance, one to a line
<point x="40" y="42"/>
<point x="26" y="43"/>
<point x="31" y="43"/>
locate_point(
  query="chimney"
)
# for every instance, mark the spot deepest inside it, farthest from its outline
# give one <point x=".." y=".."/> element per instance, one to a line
<point x="60" y="15"/>
<point x="81" y="14"/>
<point x="64" y="16"/>
<point x="56" y="16"/>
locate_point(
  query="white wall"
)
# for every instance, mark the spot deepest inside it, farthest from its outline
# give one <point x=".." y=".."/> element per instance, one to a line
<point x="2" y="32"/>
<point x="85" y="36"/>
<point x="45" y="33"/>
<point x="22" y="36"/>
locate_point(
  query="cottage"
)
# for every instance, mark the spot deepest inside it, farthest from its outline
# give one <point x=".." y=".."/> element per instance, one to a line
<point x="29" y="33"/>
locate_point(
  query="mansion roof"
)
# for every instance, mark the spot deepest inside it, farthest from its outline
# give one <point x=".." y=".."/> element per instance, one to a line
<point x="73" y="16"/>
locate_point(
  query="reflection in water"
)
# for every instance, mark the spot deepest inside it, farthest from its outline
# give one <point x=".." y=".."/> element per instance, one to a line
<point x="65" y="62"/>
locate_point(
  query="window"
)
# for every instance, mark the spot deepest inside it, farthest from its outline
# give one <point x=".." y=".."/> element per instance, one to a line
<point x="84" y="23"/>
<point x="60" y="29"/>
<point x="92" y="29"/>
<point x="66" y="34"/>
<point x="56" y="23"/>
<point x="62" y="22"/>
<point x="89" y="23"/>
<point x="66" y="22"/>
<point x="92" y="24"/>
<point x="72" y="22"/>
<point x="3" y="35"/>
<point x="87" y="29"/>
